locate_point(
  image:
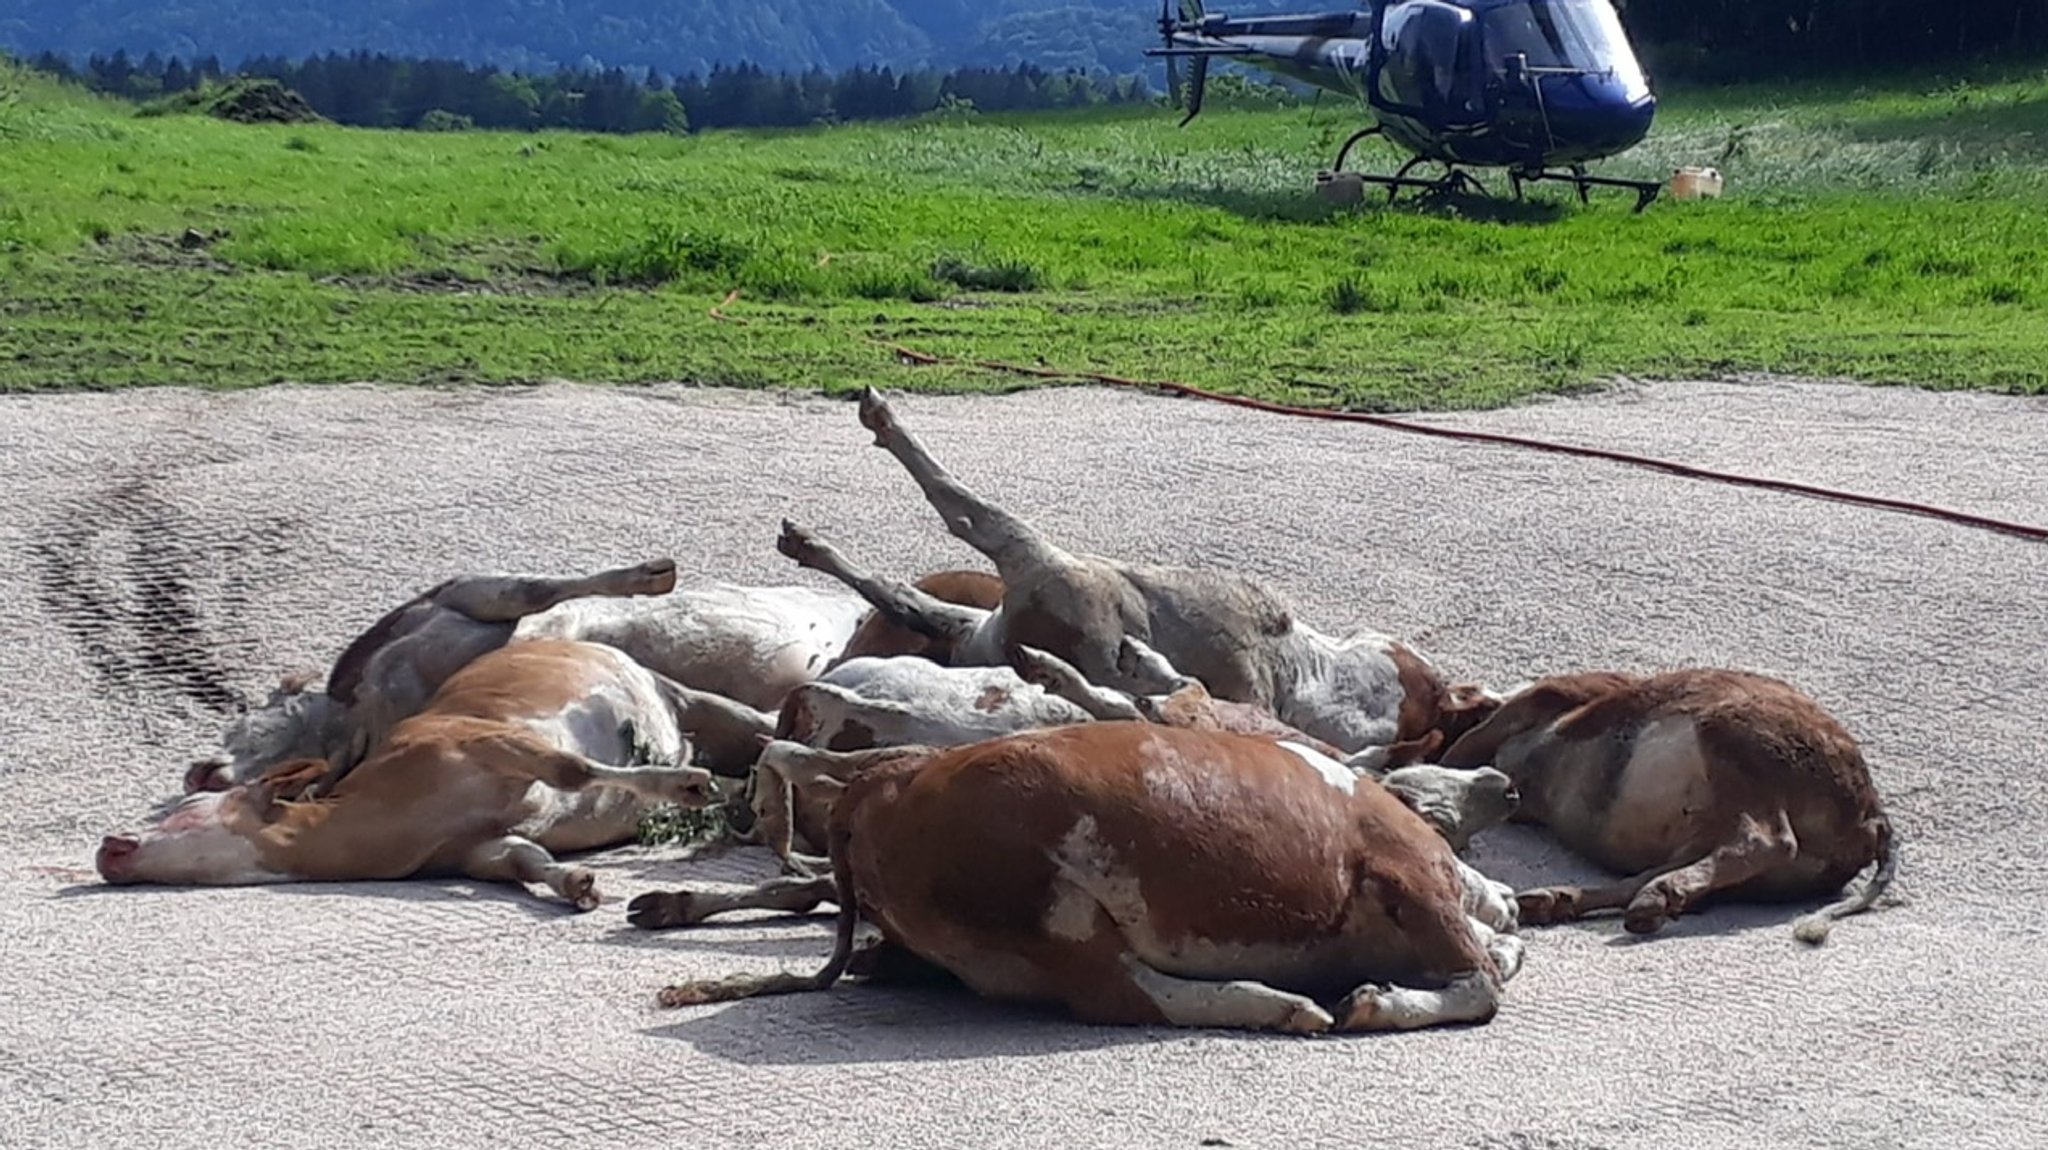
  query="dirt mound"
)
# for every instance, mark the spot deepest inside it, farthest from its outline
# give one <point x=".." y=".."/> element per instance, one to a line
<point x="259" y="100"/>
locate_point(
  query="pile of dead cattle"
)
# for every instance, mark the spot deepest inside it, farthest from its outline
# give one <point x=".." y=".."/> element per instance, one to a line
<point x="1143" y="793"/>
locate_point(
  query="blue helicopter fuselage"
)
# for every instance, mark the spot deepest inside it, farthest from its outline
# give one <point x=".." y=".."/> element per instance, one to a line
<point x="1522" y="84"/>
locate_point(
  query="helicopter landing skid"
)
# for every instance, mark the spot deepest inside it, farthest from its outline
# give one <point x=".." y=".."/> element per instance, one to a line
<point x="1645" y="190"/>
<point x="1456" y="180"/>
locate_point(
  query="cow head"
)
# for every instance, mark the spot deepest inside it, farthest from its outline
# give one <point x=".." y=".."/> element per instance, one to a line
<point x="209" y="838"/>
<point x="1527" y="710"/>
<point x="296" y="721"/>
<point x="1458" y="803"/>
<point x="1463" y="707"/>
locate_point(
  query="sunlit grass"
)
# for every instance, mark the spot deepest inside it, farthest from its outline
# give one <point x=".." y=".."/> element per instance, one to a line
<point x="1890" y="233"/>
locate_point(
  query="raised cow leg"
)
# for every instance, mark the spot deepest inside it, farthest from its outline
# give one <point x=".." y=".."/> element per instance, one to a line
<point x="1013" y="545"/>
<point x="510" y="598"/>
<point x="666" y="909"/>
<point x="513" y="859"/>
<point x="1470" y="997"/>
<point x="898" y="602"/>
<point x="1757" y="847"/>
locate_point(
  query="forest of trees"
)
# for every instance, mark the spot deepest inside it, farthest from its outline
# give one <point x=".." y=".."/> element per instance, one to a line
<point x="1724" y="40"/>
<point x="540" y="36"/>
<point x="374" y="90"/>
<point x="1064" y="42"/>
<point x="1713" y="39"/>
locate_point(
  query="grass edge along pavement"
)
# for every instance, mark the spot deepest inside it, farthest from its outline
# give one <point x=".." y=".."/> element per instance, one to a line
<point x="1887" y="234"/>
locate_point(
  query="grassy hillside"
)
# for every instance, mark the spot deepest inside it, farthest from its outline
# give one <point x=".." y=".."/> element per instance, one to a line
<point x="1889" y="235"/>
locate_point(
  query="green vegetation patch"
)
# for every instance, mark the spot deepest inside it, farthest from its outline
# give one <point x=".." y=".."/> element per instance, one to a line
<point x="1890" y="233"/>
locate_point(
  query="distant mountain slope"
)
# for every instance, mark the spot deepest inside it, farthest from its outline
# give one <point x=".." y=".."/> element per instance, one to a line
<point x="671" y="35"/>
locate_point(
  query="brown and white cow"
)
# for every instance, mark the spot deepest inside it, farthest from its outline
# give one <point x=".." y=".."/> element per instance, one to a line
<point x="529" y="750"/>
<point x="1140" y="874"/>
<point x="1699" y="784"/>
<point x="738" y="649"/>
<point x="390" y="670"/>
<point x="1231" y="633"/>
<point x="794" y="787"/>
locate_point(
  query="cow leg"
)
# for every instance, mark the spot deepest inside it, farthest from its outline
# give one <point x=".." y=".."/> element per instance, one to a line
<point x="510" y="598"/>
<point x="513" y="859"/>
<point x="774" y="799"/>
<point x="1756" y="848"/>
<point x="1470" y="997"/>
<point x="898" y="602"/>
<point x="726" y="732"/>
<point x="1550" y="905"/>
<point x="523" y="755"/>
<point x="1237" y="1005"/>
<point x="1059" y="677"/>
<point x="666" y="909"/>
<point x="1149" y="671"/>
<point x="1012" y="544"/>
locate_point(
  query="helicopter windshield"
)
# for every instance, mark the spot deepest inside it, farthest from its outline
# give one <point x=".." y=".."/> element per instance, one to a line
<point x="1577" y="35"/>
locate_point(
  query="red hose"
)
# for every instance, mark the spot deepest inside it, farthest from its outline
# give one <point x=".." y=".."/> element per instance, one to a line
<point x="2002" y="526"/>
<point x="2022" y="530"/>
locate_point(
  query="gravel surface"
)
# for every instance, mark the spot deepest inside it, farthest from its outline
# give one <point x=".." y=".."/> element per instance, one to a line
<point x="162" y="549"/>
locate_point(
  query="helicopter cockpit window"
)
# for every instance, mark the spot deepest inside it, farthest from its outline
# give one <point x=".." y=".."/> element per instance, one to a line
<point x="1577" y="35"/>
<point x="1428" y="55"/>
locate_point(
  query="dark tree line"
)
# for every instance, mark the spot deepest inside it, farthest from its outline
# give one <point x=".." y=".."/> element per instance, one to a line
<point x="382" y="91"/>
<point x="1726" y="40"/>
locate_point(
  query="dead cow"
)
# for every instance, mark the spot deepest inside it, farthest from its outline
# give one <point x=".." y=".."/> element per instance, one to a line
<point x="905" y="699"/>
<point x="1696" y="783"/>
<point x="1138" y="874"/>
<point x="531" y="749"/>
<point x="735" y="647"/>
<point x="1229" y="632"/>
<point x="1458" y="803"/>
<point x="390" y="670"/>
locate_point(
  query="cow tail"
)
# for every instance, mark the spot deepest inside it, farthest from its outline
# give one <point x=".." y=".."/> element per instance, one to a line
<point x="1813" y="929"/>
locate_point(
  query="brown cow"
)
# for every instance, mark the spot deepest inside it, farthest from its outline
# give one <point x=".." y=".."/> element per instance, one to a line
<point x="1139" y="874"/>
<point x="533" y="748"/>
<point x="1232" y="633"/>
<point x="1696" y="783"/>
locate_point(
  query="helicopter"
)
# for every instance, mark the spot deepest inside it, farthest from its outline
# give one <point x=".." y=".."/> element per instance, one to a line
<point x="1537" y="87"/>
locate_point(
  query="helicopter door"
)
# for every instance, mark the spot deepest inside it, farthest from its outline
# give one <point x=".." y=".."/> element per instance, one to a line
<point x="1424" y="62"/>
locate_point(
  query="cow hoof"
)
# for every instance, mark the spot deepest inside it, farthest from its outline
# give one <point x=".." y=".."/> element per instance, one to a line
<point x="1648" y="913"/>
<point x="1308" y="1018"/>
<point x="1361" y="1007"/>
<point x="581" y="888"/>
<point x="876" y="416"/>
<point x="655" y="577"/>
<point x="1547" y="906"/>
<point x="1644" y="920"/>
<point x="797" y="543"/>
<point x="687" y="787"/>
<point x="661" y="910"/>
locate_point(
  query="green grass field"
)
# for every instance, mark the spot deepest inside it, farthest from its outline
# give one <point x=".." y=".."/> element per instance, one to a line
<point x="1889" y="234"/>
